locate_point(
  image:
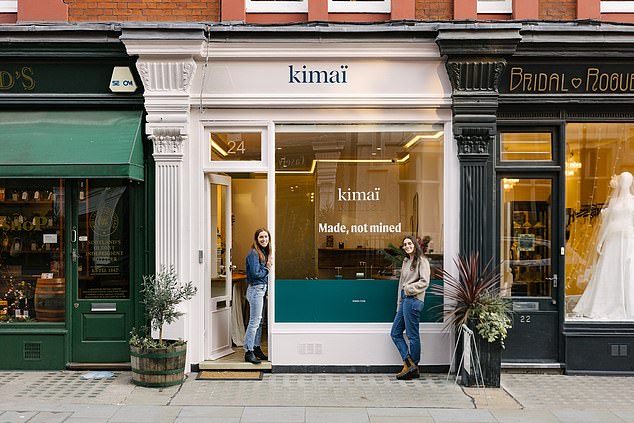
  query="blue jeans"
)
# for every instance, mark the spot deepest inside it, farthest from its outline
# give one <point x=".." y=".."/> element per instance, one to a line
<point x="255" y="297"/>
<point x="407" y="319"/>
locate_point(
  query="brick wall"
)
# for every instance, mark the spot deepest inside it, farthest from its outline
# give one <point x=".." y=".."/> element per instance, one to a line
<point x="553" y="10"/>
<point x="434" y="10"/>
<point x="143" y="10"/>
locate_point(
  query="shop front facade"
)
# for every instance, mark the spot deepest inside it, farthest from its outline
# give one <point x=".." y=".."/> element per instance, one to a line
<point x="72" y="203"/>
<point x="338" y="145"/>
<point x="557" y="184"/>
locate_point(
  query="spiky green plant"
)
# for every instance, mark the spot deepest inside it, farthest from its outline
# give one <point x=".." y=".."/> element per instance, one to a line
<point x="474" y="295"/>
<point x="161" y="295"/>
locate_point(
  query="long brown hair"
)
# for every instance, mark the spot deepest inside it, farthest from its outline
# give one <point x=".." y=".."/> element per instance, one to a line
<point x="418" y="252"/>
<point x="263" y="253"/>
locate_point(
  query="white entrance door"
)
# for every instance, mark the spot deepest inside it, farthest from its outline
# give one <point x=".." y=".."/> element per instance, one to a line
<point x="219" y="268"/>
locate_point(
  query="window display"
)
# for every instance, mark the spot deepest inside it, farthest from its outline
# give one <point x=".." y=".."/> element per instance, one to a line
<point x="32" y="284"/>
<point x="345" y="197"/>
<point x="600" y="222"/>
<point x="354" y="195"/>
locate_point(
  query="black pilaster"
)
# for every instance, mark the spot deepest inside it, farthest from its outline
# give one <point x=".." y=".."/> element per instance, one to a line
<point x="475" y="60"/>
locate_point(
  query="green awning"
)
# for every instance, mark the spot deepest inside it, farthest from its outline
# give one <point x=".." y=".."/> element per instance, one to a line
<point x="80" y="144"/>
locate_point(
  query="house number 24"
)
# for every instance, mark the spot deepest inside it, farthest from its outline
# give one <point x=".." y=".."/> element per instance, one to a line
<point x="525" y="319"/>
<point x="235" y="147"/>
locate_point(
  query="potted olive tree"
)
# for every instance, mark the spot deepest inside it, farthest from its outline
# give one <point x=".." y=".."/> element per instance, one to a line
<point x="473" y="298"/>
<point x="160" y="362"/>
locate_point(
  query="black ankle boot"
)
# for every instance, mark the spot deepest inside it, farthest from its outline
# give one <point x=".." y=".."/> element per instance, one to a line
<point x="249" y="357"/>
<point x="259" y="353"/>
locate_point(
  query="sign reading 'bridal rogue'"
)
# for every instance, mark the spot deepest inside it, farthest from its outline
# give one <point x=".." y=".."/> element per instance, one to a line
<point x="567" y="78"/>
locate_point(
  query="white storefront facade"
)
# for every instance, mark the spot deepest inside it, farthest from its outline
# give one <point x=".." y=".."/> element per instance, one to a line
<point x="339" y="144"/>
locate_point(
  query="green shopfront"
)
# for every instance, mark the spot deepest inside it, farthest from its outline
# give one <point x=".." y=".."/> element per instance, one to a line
<point x="73" y="223"/>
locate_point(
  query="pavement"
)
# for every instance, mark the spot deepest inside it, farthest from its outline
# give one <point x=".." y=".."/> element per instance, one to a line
<point x="64" y="396"/>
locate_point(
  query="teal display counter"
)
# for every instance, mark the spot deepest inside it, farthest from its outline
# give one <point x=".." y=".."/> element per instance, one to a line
<point x="344" y="301"/>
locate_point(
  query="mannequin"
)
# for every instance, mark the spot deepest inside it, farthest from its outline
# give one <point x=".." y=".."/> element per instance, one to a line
<point x="610" y="291"/>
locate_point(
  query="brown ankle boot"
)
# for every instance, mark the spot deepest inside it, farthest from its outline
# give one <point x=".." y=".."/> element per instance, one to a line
<point x="412" y="373"/>
<point x="406" y="367"/>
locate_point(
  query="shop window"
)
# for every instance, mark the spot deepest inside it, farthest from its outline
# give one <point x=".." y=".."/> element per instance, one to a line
<point x="235" y="146"/>
<point x="345" y="198"/>
<point x="526" y="146"/>
<point x="276" y="6"/>
<point x="495" y="6"/>
<point x="32" y="282"/>
<point x="599" y="228"/>
<point x="8" y="6"/>
<point x="359" y="6"/>
<point x="617" y="6"/>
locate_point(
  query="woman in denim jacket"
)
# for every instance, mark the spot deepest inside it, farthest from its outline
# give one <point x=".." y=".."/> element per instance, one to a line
<point x="259" y="261"/>
<point x="412" y="285"/>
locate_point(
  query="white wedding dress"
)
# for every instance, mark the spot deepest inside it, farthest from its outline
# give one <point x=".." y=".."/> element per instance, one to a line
<point x="610" y="291"/>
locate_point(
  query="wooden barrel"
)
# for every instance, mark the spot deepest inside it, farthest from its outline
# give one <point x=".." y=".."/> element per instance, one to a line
<point x="158" y="367"/>
<point x="50" y="297"/>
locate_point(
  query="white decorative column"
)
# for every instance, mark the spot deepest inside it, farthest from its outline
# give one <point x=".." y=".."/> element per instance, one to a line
<point x="167" y="66"/>
<point x="168" y="157"/>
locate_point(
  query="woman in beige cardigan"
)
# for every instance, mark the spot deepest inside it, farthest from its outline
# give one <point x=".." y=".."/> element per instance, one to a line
<point x="412" y="285"/>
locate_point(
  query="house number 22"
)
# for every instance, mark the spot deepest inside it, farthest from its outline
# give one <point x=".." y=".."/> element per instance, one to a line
<point x="525" y="319"/>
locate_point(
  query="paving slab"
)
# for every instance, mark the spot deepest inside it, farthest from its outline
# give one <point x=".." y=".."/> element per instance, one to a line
<point x="16" y="416"/>
<point x="548" y="391"/>
<point x="627" y="415"/>
<point x="336" y="415"/>
<point x="48" y="417"/>
<point x="585" y="416"/>
<point x="491" y="398"/>
<point x="524" y="416"/>
<point x="145" y="414"/>
<point x="325" y="390"/>
<point x="273" y="415"/>
<point x="210" y="412"/>
<point x="462" y="416"/>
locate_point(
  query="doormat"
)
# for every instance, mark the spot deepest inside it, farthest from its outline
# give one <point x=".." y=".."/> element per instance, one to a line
<point x="229" y="375"/>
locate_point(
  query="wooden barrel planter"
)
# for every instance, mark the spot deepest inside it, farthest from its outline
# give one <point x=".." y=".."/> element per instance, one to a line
<point x="50" y="298"/>
<point x="158" y="367"/>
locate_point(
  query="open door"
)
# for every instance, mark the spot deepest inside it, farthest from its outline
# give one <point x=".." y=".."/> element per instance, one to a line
<point x="219" y="267"/>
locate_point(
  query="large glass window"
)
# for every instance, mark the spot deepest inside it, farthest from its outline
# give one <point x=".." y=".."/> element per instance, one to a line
<point x="600" y="221"/>
<point x="32" y="284"/>
<point x="346" y="196"/>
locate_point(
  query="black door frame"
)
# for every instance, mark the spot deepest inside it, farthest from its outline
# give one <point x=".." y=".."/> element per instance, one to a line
<point x="554" y="170"/>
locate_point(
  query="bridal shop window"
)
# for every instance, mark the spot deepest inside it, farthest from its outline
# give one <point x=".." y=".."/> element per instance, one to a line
<point x="599" y="221"/>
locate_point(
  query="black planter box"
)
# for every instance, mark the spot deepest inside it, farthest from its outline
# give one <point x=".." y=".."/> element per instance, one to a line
<point x="490" y="355"/>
